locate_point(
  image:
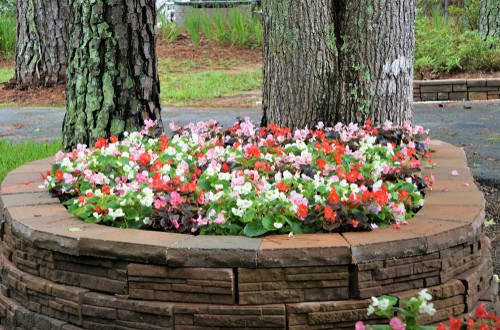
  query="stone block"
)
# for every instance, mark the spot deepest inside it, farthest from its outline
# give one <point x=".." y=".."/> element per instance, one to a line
<point x="460" y="87"/>
<point x="103" y="284"/>
<point x="481" y="82"/>
<point x="436" y="88"/>
<point x="494" y="82"/>
<point x="458" y="96"/>
<point x="101" y="312"/>
<point x="443" y="96"/>
<point x="429" y="96"/>
<point x="480" y="89"/>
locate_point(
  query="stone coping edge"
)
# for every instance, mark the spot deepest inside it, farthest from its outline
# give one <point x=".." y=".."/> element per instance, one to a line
<point x="456" y="89"/>
<point x="453" y="214"/>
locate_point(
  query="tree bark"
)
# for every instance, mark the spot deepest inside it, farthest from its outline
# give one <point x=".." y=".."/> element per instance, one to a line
<point x="489" y="17"/>
<point x="41" y="42"/>
<point x="334" y="61"/>
<point x="112" y="77"/>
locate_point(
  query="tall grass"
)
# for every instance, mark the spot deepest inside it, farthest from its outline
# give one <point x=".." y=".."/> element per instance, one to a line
<point x="192" y="24"/>
<point x="13" y="155"/>
<point x="7" y="34"/>
<point x="169" y="31"/>
<point x="225" y="28"/>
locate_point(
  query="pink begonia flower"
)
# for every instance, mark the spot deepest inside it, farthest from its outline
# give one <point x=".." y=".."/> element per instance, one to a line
<point x="359" y="326"/>
<point x="454" y="173"/>
<point x="174" y="127"/>
<point x="176" y="199"/>
<point x="396" y="324"/>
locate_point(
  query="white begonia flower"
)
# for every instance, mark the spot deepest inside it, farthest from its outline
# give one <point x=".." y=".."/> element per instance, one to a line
<point x="243" y="189"/>
<point x="375" y="302"/>
<point x="98" y="192"/>
<point x="170" y="151"/>
<point x="424" y="295"/>
<point x="243" y="203"/>
<point x="215" y="197"/>
<point x="116" y="213"/>
<point x="210" y="171"/>
<point x="67" y="164"/>
<point x="218" y="187"/>
<point x="147" y="221"/>
<point x="225" y="176"/>
<point x="287" y="175"/>
<point x="237" y="212"/>
<point x="354" y="188"/>
<point x="278" y="225"/>
<point x="125" y="154"/>
<point x="268" y="157"/>
<point x="146" y="197"/>
<point x="370" y="310"/>
<point x="96" y="215"/>
<point x="271" y="194"/>
<point x="165" y="169"/>
<point x="383" y="304"/>
<point x="278" y="177"/>
<point x="426" y="308"/>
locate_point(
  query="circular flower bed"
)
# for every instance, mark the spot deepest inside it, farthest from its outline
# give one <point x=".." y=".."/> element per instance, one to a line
<point x="247" y="180"/>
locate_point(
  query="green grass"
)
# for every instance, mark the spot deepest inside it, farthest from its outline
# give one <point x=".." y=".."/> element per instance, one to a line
<point x="7" y="34"/>
<point x="6" y="74"/>
<point x="13" y="154"/>
<point x="182" y="86"/>
<point x="183" y="83"/>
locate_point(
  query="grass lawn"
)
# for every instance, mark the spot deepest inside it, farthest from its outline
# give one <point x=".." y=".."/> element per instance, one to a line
<point x="6" y="74"/>
<point x="186" y="83"/>
<point x="13" y="155"/>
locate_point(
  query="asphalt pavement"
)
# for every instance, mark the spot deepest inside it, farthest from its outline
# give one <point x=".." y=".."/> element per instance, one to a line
<point x="474" y="126"/>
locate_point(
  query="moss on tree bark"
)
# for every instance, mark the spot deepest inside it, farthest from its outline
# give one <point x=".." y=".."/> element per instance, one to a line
<point x="112" y="77"/>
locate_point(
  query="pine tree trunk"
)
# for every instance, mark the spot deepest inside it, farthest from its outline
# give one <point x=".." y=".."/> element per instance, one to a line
<point x="41" y="42"/>
<point x="334" y="61"/>
<point x="489" y="17"/>
<point x="112" y="77"/>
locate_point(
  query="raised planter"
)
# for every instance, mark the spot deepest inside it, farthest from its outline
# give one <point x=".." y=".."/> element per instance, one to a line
<point x="108" y="278"/>
<point x="456" y="89"/>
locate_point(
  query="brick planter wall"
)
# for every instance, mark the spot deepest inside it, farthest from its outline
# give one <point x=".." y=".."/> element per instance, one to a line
<point x="456" y="90"/>
<point x="108" y="278"/>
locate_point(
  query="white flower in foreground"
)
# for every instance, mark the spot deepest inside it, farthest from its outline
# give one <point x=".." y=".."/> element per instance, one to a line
<point x="278" y="225"/>
<point x="427" y="308"/>
<point x="370" y="310"/>
<point x="116" y="213"/>
<point x="423" y="295"/>
<point x="383" y="304"/>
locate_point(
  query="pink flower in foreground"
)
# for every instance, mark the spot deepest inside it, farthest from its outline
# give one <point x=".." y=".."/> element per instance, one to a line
<point x="396" y="324"/>
<point x="359" y="326"/>
<point x="176" y="199"/>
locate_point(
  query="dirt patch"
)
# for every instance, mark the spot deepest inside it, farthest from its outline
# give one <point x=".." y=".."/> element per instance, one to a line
<point x="457" y="75"/>
<point x="183" y="49"/>
<point x="49" y="96"/>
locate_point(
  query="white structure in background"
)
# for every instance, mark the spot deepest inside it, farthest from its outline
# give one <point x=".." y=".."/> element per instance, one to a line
<point x="166" y="8"/>
<point x="169" y="7"/>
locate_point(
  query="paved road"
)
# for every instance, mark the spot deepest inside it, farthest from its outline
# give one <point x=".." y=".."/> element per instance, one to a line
<point x="473" y="126"/>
